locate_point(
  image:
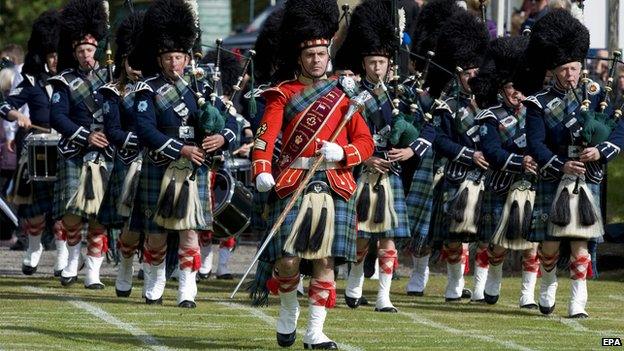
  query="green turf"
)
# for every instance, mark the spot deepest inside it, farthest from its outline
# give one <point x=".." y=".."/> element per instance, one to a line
<point x="38" y="314"/>
<point x="615" y="198"/>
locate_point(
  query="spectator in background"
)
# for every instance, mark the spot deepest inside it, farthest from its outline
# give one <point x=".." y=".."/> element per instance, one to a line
<point x="8" y="161"/>
<point x="600" y="68"/>
<point x="619" y="88"/>
<point x="536" y="9"/>
<point x="474" y="7"/>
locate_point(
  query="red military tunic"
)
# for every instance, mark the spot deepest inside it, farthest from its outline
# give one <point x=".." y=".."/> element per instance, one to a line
<point x="355" y="139"/>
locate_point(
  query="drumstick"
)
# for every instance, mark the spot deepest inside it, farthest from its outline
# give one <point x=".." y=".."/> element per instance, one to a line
<point x="41" y="129"/>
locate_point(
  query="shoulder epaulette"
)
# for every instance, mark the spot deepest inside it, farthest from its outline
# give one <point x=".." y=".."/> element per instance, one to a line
<point x="111" y="88"/>
<point x="485" y="114"/>
<point x="62" y="77"/>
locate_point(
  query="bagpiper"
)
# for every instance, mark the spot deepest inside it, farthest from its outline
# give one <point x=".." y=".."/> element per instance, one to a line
<point x="307" y="108"/>
<point x="508" y="202"/>
<point x="35" y="197"/>
<point x="568" y="134"/>
<point x="460" y="47"/>
<point x="120" y="130"/>
<point x="76" y="113"/>
<point x="382" y="213"/>
<point x="178" y="126"/>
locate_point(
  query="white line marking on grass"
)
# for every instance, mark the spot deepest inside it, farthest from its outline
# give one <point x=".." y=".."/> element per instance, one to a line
<point x="110" y="319"/>
<point x="573" y="324"/>
<point x="256" y="312"/>
<point x="617" y="297"/>
<point x="432" y="324"/>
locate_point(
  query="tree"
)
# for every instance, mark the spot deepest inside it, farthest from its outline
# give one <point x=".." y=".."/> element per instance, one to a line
<point x="17" y="17"/>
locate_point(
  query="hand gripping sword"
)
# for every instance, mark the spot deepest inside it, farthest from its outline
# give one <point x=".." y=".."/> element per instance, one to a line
<point x="355" y="105"/>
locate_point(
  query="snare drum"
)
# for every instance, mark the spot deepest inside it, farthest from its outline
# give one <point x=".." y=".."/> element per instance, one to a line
<point x="42" y="156"/>
<point x="240" y="168"/>
<point x="232" y="205"/>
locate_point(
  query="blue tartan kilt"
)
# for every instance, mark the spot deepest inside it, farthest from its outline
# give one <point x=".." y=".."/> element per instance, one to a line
<point x="42" y="199"/>
<point x="442" y="202"/>
<point x="108" y="211"/>
<point x="419" y="201"/>
<point x="66" y="186"/>
<point x="545" y="192"/>
<point x="401" y="230"/>
<point x="491" y="214"/>
<point x="343" y="247"/>
<point x="146" y="200"/>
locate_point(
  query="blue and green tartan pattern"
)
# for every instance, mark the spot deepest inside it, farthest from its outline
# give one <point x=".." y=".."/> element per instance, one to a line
<point x="86" y="86"/>
<point x="167" y="97"/>
<point x="108" y="211"/>
<point x="302" y="100"/>
<point x="371" y="106"/>
<point x="514" y="131"/>
<point x="345" y="222"/>
<point x="146" y="200"/>
<point x="557" y="109"/>
<point x="66" y="186"/>
<point x="491" y="214"/>
<point x="42" y="198"/>
<point x="545" y="192"/>
<point x="402" y="227"/>
<point x="419" y="200"/>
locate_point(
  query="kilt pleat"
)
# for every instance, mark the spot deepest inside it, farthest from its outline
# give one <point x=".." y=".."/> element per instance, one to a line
<point x="420" y="201"/>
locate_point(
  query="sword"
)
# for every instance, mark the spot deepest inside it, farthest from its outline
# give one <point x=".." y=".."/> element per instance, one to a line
<point x="355" y="105"/>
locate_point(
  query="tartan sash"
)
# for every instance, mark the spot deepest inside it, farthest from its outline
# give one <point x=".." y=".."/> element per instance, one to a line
<point x="560" y="110"/>
<point x="512" y="126"/>
<point x="306" y="97"/>
<point x="127" y="101"/>
<point x="81" y="90"/>
<point x="308" y="126"/>
<point x="167" y="94"/>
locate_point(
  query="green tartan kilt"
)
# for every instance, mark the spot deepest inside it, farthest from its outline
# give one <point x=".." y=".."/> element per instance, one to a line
<point x="146" y="200"/>
<point x="401" y="230"/>
<point x="491" y="214"/>
<point x="108" y="211"/>
<point x="343" y="247"/>
<point x="545" y="192"/>
<point x="442" y="202"/>
<point x="42" y="199"/>
<point x="420" y="202"/>
<point x="66" y="186"/>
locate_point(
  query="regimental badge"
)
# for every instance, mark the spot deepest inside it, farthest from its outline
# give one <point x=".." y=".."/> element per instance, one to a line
<point x="298" y="139"/>
<point x="106" y="108"/>
<point x="437" y="121"/>
<point x="142" y="106"/>
<point x="56" y="97"/>
<point x="348" y="85"/>
<point x="483" y="131"/>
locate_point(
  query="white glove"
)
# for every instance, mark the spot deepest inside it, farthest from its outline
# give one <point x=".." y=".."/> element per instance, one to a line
<point x="264" y="182"/>
<point x="332" y="152"/>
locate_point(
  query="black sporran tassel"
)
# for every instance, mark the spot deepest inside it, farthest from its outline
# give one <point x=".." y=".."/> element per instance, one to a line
<point x="527" y="219"/>
<point x="457" y="207"/>
<point x="560" y="212"/>
<point x="317" y="238"/>
<point x="513" y="222"/>
<point x="586" y="209"/>
<point x="182" y="205"/>
<point x="165" y="207"/>
<point x="104" y="176"/>
<point x="477" y="211"/>
<point x="303" y="235"/>
<point x="89" y="191"/>
<point x="380" y="206"/>
<point x="133" y="186"/>
<point x="363" y="203"/>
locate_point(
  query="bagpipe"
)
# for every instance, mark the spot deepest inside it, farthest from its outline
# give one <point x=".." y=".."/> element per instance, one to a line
<point x="575" y="212"/>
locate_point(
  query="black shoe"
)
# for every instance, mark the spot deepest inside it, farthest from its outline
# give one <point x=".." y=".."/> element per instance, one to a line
<point x="390" y="309"/>
<point x="121" y="293"/>
<point x="57" y="273"/>
<point x="187" y="304"/>
<point x="140" y="275"/>
<point x="546" y="310"/>
<point x="153" y="302"/>
<point x="530" y="306"/>
<point x="466" y="294"/>
<point x="96" y="286"/>
<point x="580" y="316"/>
<point x="353" y="302"/>
<point x="452" y="299"/>
<point x="67" y="281"/>
<point x="491" y="300"/>
<point x="363" y="301"/>
<point x="203" y="276"/>
<point x="28" y="270"/>
<point x="330" y="345"/>
<point x="226" y="276"/>
<point x="286" y="340"/>
<point x="415" y="293"/>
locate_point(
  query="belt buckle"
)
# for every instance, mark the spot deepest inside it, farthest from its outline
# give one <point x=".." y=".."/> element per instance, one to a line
<point x="186" y="132"/>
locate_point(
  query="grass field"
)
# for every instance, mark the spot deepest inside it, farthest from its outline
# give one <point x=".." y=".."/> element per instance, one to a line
<point x="38" y="314"/>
